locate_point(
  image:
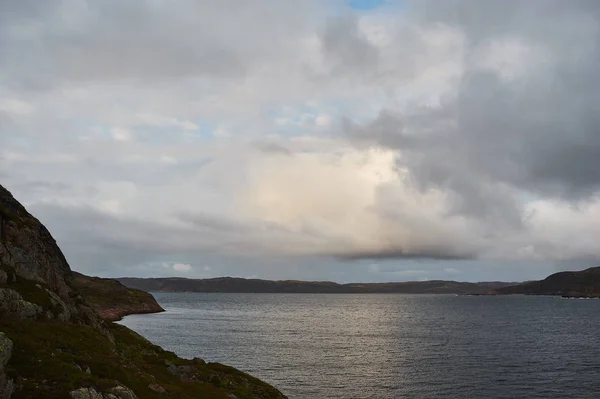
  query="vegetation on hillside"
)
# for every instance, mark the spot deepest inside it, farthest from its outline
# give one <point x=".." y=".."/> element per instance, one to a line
<point x="51" y="359"/>
<point x="230" y="284"/>
<point x="111" y="299"/>
<point x="583" y="284"/>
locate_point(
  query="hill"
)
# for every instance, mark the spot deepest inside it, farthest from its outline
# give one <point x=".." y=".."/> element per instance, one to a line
<point x="54" y="343"/>
<point x="241" y="285"/>
<point x="583" y="284"/>
<point x="111" y="299"/>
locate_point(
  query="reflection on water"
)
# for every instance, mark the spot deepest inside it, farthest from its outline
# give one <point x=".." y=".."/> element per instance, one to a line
<point x="389" y="346"/>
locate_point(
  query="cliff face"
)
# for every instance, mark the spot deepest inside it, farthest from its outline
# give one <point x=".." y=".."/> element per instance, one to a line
<point x="584" y="284"/>
<point x="54" y="342"/>
<point x="29" y="250"/>
<point x="35" y="278"/>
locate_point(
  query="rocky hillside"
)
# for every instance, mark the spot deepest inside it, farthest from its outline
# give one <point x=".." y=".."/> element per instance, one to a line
<point x="229" y="284"/>
<point x="111" y="299"/>
<point x="582" y="284"/>
<point x="55" y="344"/>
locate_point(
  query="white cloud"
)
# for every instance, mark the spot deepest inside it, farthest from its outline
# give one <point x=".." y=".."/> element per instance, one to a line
<point x="15" y="107"/>
<point x="121" y="134"/>
<point x="164" y="121"/>
<point x="182" y="267"/>
<point x="323" y="120"/>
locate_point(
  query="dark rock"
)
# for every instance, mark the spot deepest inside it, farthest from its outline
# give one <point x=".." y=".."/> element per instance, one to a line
<point x="12" y="305"/>
<point x="29" y="249"/>
<point x="123" y="393"/>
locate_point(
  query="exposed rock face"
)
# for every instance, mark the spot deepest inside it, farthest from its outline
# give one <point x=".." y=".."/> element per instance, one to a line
<point x="123" y="393"/>
<point x="28" y="248"/>
<point x="117" y="392"/>
<point x="86" y="393"/>
<point x="35" y="278"/>
<point x="13" y="305"/>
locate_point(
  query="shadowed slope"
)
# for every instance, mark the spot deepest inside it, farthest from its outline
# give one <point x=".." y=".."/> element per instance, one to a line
<point x="585" y="284"/>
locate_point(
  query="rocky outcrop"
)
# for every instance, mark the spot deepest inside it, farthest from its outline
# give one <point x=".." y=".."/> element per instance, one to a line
<point x="118" y="392"/>
<point x="6" y="384"/>
<point x="35" y="278"/>
<point x="27" y="247"/>
<point x="13" y="305"/>
<point x="122" y="393"/>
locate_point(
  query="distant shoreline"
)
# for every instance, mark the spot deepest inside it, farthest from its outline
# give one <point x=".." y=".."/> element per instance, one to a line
<point x="241" y="285"/>
<point x="575" y="284"/>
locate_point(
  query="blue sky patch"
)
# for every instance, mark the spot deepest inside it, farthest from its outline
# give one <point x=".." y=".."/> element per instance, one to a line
<point x="365" y="4"/>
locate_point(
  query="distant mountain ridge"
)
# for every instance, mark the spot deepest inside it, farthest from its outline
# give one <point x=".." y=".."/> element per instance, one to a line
<point x="242" y="285"/>
<point x="582" y="284"/>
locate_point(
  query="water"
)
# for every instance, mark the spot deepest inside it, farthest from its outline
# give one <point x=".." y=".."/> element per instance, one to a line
<point x="390" y="346"/>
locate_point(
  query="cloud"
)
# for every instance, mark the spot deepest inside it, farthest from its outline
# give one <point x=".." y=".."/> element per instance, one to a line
<point x="346" y="46"/>
<point x="121" y="134"/>
<point x="182" y="267"/>
<point x="298" y="134"/>
<point x="87" y="41"/>
<point x="12" y="106"/>
<point x="162" y="121"/>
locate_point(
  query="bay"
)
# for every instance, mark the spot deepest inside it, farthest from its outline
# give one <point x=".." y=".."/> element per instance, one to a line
<point x="389" y="346"/>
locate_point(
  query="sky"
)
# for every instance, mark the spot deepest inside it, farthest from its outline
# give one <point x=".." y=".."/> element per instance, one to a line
<point x="352" y="141"/>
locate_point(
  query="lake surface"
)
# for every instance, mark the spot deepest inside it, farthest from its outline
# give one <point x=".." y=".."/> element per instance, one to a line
<point x="390" y="346"/>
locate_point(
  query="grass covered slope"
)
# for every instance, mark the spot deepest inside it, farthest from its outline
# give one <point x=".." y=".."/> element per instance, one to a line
<point x="51" y="359"/>
<point x="111" y="299"/>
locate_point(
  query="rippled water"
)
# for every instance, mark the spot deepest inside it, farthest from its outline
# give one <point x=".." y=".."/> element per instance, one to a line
<point x="390" y="346"/>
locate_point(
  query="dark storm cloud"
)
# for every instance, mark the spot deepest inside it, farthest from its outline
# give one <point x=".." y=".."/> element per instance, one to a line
<point x="272" y="148"/>
<point x="421" y="253"/>
<point x="347" y="48"/>
<point x="538" y="132"/>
